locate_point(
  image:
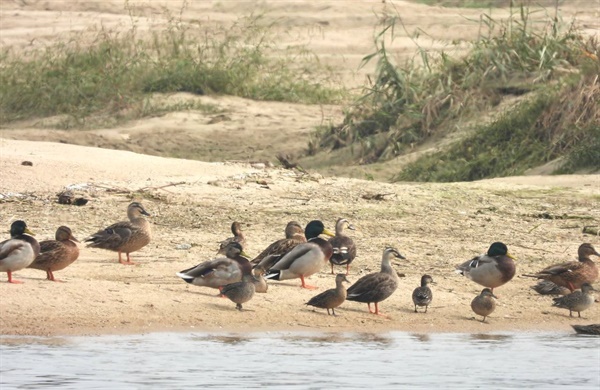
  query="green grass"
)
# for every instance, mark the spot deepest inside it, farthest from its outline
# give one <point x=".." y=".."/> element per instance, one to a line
<point x="118" y="72"/>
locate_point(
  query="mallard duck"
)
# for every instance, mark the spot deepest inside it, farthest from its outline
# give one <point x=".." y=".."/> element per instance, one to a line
<point x="18" y="251"/>
<point x="546" y="287"/>
<point x="492" y="270"/>
<point x="484" y="304"/>
<point x="344" y="249"/>
<point x="56" y="254"/>
<point x="126" y="236"/>
<point x="294" y="235"/>
<point x="593" y="329"/>
<point x="259" y="280"/>
<point x="576" y="301"/>
<point x="332" y="298"/>
<point x="238" y="236"/>
<point x="572" y="274"/>
<point x="240" y="292"/>
<point x="377" y="286"/>
<point x="305" y="259"/>
<point x="221" y="271"/>
<point x="422" y="296"/>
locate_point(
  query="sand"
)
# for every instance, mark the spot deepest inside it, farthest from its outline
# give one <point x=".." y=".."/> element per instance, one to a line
<point x="435" y="226"/>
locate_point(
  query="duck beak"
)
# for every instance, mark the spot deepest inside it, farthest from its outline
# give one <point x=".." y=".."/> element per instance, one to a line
<point x="73" y="238"/>
<point x="29" y="232"/>
<point x="494" y="295"/>
<point x="346" y="280"/>
<point x="509" y="255"/>
<point x="146" y="213"/>
<point x="351" y="227"/>
<point x="328" y="233"/>
<point x="242" y="253"/>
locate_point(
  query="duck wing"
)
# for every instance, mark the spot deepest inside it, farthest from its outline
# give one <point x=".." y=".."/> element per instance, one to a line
<point x="113" y="236"/>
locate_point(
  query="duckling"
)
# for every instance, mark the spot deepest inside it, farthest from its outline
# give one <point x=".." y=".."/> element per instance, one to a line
<point x="422" y="296"/>
<point x="332" y="298"/>
<point x="240" y="292"/>
<point x="305" y="259"/>
<point x="484" y="304"/>
<point x="546" y="287"/>
<point x="221" y="271"/>
<point x="576" y="301"/>
<point x="19" y="251"/>
<point x="572" y="274"/>
<point x="56" y="254"/>
<point x="238" y="236"/>
<point x="260" y="282"/>
<point x="492" y="270"/>
<point x="126" y="236"/>
<point x="593" y="329"/>
<point x="294" y="235"/>
<point x="344" y="249"/>
<point x="377" y="286"/>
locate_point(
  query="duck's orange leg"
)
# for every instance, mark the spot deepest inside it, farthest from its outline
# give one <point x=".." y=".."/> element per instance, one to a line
<point x="128" y="262"/>
<point x="11" y="280"/>
<point x="304" y="285"/>
<point x="50" y="276"/>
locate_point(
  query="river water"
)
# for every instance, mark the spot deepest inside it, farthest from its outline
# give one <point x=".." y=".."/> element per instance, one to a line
<point x="296" y="360"/>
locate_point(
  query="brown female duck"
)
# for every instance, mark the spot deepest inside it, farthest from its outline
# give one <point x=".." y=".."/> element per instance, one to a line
<point x="546" y="287"/>
<point x="491" y="270"/>
<point x="56" y="254"/>
<point x="305" y="259"/>
<point x="484" y="304"/>
<point x="377" y="286"/>
<point x="221" y="271"/>
<point x="260" y="283"/>
<point x="19" y="251"/>
<point x="344" y="249"/>
<point x="572" y="274"/>
<point x="126" y="236"/>
<point x="240" y="292"/>
<point x="332" y="298"/>
<point x="238" y="236"/>
<point x="576" y="301"/>
<point x="422" y="296"/>
<point x="294" y="235"/>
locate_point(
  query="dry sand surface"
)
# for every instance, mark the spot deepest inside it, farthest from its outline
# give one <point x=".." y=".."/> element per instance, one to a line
<point x="435" y="226"/>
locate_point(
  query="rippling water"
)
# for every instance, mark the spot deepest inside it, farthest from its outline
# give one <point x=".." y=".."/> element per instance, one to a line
<point x="302" y="361"/>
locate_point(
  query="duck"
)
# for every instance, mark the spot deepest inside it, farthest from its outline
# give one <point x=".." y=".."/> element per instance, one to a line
<point x="377" y="286"/>
<point x="546" y="287"/>
<point x="484" y="304"/>
<point x="572" y="274"/>
<point x="18" y="251"/>
<point x="332" y="298"/>
<point x="240" y="292"/>
<point x="576" y="301"/>
<point x="126" y="236"/>
<point x="238" y="236"/>
<point x="220" y="271"/>
<point x="57" y="254"/>
<point x="493" y="269"/>
<point x="260" y="283"/>
<point x="305" y="259"/>
<point x="422" y="296"/>
<point x="344" y="249"/>
<point x="592" y="329"/>
<point x="294" y="235"/>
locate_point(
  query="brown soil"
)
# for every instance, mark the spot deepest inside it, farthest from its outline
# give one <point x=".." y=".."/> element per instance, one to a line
<point x="436" y="226"/>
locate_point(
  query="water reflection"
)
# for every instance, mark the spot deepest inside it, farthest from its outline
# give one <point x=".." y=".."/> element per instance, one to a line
<point x="300" y="360"/>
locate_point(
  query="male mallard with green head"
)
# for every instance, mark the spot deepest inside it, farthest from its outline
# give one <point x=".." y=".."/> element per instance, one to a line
<point x="56" y="254"/>
<point x="332" y="298"/>
<point x="491" y="270"/>
<point x="126" y="236"/>
<point x="344" y="249"/>
<point x="305" y="259"/>
<point x="18" y="251"/>
<point x="576" y="301"/>
<point x="572" y="274"/>
<point x="377" y="286"/>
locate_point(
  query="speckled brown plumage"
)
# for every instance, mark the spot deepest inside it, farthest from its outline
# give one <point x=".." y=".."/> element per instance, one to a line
<point x="422" y="296"/>
<point x="484" y="304"/>
<point x="238" y="236"/>
<point x="294" y="235"/>
<point x="126" y="236"/>
<point x="57" y="254"/>
<point x="332" y="298"/>
<point x="576" y="301"/>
